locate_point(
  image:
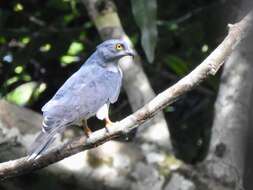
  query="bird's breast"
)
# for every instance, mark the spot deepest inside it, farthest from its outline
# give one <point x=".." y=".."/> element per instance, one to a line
<point x="112" y="68"/>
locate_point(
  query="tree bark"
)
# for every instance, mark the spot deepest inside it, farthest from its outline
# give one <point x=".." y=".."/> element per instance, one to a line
<point x="225" y="162"/>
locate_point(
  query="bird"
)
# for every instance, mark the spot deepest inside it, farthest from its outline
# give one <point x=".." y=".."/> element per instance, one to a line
<point x="88" y="92"/>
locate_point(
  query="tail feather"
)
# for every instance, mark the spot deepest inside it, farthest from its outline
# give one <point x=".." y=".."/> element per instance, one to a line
<point x="41" y="143"/>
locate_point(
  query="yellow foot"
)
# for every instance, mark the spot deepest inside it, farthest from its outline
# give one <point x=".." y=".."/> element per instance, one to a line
<point x="87" y="132"/>
<point x="86" y="129"/>
<point x="108" y="124"/>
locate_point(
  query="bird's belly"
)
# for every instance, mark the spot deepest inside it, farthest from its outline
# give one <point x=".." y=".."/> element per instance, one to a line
<point x="88" y="110"/>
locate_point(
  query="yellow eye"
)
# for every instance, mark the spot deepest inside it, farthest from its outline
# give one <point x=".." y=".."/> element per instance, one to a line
<point x="119" y="47"/>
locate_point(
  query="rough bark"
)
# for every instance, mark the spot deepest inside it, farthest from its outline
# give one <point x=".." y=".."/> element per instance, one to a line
<point x="248" y="165"/>
<point x="139" y="91"/>
<point x="225" y="162"/>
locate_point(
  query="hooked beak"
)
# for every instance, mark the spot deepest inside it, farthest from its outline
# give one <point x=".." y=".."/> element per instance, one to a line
<point x="131" y="53"/>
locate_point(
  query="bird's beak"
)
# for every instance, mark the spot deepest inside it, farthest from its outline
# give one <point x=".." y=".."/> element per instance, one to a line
<point x="131" y="53"/>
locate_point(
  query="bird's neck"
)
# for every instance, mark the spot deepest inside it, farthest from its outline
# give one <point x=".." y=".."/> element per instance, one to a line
<point x="113" y="67"/>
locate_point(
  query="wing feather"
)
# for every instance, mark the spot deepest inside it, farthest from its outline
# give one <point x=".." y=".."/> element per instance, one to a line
<point x="83" y="94"/>
<point x="116" y="83"/>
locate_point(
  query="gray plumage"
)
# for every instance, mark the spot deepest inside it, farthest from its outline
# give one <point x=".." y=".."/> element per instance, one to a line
<point x="86" y="93"/>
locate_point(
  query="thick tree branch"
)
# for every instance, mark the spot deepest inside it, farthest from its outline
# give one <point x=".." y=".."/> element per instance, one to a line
<point x="208" y="67"/>
<point x="232" y="118"/>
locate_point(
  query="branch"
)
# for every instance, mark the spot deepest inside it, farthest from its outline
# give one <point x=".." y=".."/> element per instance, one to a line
<point x="208" y="67"/>
<point x="232" y="119"/>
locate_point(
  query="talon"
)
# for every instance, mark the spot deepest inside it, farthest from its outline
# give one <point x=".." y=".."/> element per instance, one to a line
<point x="108" y="124"/>
<point x="87" y="132"/>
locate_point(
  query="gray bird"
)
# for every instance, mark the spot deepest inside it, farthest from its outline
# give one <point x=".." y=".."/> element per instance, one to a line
<point x="88" y="92"/>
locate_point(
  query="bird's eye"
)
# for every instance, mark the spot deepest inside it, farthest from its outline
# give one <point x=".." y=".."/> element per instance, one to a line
<point x="119" y="47"/>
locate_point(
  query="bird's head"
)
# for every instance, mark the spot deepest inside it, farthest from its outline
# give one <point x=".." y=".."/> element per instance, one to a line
<point x="115" y="49"/>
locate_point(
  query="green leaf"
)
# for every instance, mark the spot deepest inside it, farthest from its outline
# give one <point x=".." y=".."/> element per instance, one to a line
<point x="18" y="7"/>
<point x="11" y="80"/>
<point x="41" y="88"/>
<point x="22" y="93"/>
<point x="2" y="39"/>
<point x="68" y="59"/>
<point x="68" y="18"/>
<point x="177" y="65"/>
<point x="46" y="47"/>
<point x="25" y="40"/>
<point x="145" y="16"/>
<point x="75" y="48"/>
<point x="19" y="69"/>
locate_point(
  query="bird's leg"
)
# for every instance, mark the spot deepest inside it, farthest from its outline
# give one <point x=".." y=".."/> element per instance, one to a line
<point x="86" y="129"/>
<point x="108" y="123"/>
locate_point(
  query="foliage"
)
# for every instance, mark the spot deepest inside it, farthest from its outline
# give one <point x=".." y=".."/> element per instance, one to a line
<point x="39" y="44"/>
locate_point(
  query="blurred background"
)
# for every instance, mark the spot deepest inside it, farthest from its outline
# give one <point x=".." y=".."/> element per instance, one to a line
<point x="43" y="42"/>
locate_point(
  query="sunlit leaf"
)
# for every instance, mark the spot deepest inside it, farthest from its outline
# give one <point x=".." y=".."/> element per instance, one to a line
<point x="75" y="48"/>
<point x="145" y="16"/>
<point x="25" y="77"/>
<point x="41" y="88"/>
<point x="18" y="7"/>
<point x="25" y="40"/>
<point x="45" y="48"/>
<point x="11" y="80"/>
<point x="177" y="65"/>
<point x="18" y="69"/>
<point x="73" y="6"/>
<point x="173" y="27"/>
<point x="22" y="93"/>
<point x="68" y="59"/>
<point x="68" y="18"/>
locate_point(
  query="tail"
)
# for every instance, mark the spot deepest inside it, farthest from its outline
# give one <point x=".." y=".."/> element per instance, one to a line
<point x="41" y="143"/>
